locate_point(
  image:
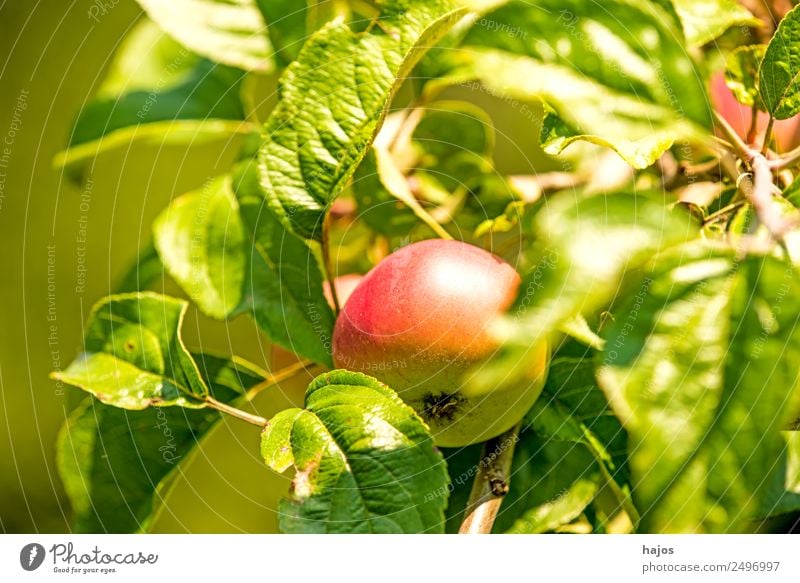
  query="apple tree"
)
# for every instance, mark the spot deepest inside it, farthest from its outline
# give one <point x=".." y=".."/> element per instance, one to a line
<point x="601" y="336"/>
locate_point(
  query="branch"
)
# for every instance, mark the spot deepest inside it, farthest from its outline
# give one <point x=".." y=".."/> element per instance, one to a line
<point x="742" y="149"/>
<point x="757" y="187"/>
<point x="768" y="135"/>
<point x="787" y="160"/>
<point x="758" y="191"/>
<point x="491" y="483"/>
<point x="282" y="374"/>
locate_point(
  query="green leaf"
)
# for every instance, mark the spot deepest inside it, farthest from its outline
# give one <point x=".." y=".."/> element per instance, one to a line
<point x="155" y="92"/>
<point x="705" y="20"/>
<point x="572" y="408"/>
<point x="741" y="72"/>
<point x="783" y="495"/>
<point x="448" y="155"/>
<point x="232" y="33"/>
<point x="200" y="239"/>
<point x="583" y="248"/>
<point x="289" y="25"/>
<point x="231" y="256"/>
<point x="333" y="100"/>
<point x="701" y="366"/>
<point x="567" y="506"/>
<point x="377" y="207"/>
<point x="286" y="26"/>
<point x="134" y="356"/>
<point x="790" y="501"/>
<point x="512" y="215"/>
<point x="455" y="141"/>
<point x="619" y="77"/>
<point x="364" y="461"/>
<point x="117" y="465"/>
<point x="551" y="485"/>
<point x="792" y="192"/>
<point x="453" y="128"/>
<point x="283" y="283"/>
<point x="778" y="78"/>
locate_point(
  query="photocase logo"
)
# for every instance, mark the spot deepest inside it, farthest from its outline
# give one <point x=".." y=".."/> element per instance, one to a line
<point x="31" y="556"/>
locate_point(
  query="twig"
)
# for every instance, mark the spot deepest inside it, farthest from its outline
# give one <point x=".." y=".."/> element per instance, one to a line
<point x="758" y="191"/>
<point x="787" y="160"/>
<point x="700" y="169"/>
<point x="751" y="133"/>
<point x="278" y="376"/>
<point x="722" y="212"/>
<point x="234" y="412"/>
<point x="742" y="149"/>
<point x="767" y="136"/>
<point x="326" y="261"/>
<point x="757" y="187"/>
<point x="491" y="483"/>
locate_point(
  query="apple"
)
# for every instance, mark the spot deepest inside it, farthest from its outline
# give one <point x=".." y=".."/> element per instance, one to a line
<point x="740" y="116"/>
<point x="420" y="320"/>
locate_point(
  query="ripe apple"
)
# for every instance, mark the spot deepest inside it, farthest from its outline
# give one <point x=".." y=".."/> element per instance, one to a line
<point x="740" y="116"/>
<point x="420" y="320"/>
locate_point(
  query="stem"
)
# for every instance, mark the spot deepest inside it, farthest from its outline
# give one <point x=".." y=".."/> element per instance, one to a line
<point x="742" y="149"/>
<point x="233" y="411"/>
<point x="326" y="260"/>
<point x="722" y="212"/>
<point x="758" y="188"/>
<point x="751" y="133"/>
<point x="767" y="135"/>
<point x="491" y="483"/>
<point x="702" y="168"/>
<point x="281" y="375"/>
<point x="759" y="193"/>
<point x="788" y="160"/>
<point x="432" y="223"/>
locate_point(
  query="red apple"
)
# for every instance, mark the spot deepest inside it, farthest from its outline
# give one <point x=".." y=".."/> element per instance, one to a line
<point x="420" y="319"/>
<point x="740" y="116"/>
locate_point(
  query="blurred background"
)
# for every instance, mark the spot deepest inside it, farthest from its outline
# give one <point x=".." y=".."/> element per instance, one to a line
<point x="52" y="58"/>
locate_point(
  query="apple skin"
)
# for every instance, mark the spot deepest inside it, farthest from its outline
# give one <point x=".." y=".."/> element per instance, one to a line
<point x="419" y="321"/>
<point x="739" y="117"/>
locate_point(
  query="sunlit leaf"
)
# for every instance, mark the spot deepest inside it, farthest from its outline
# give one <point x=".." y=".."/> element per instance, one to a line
<point x="701" y="367"/>
<point x="364" y="461"/>
<point x="333" y="100"/>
